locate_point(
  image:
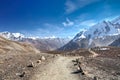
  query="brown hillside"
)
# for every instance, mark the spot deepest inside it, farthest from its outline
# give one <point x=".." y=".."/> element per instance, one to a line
<point x="8" y="45"/>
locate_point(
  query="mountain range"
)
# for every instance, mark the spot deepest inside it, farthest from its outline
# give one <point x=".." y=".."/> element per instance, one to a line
<point x="101" y="34"/>
<point x="47" y="44"/>
<point x="43" y="44"/>
<point x="105" y="33"/>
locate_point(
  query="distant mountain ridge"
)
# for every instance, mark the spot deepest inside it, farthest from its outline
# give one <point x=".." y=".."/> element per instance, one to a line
<point x="12" y="36"/>
<point x="101" y="34"/>
<point x="43" y="44"/>
<point x="47" y="44"/>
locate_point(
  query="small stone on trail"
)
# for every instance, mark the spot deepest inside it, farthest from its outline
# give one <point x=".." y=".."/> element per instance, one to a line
<point x="21" y="75"/>
<point x="43" y="58"/>
<point x="39" y="61"/>
<point x="31" y="65"/>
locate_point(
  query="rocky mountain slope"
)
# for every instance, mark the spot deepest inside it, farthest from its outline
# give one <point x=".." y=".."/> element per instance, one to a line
<point x="101" y="34"/>
<point x="116" y="43"/>
<point x="47" y="44"/>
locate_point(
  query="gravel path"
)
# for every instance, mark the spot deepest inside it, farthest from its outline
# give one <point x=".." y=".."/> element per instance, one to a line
<point x="94" y="54"/>
<point x="58" y="69"/>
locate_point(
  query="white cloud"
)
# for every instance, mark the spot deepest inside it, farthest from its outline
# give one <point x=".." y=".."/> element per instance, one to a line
<point x="88" y="23"/>
<point x="71" y="6"/>
<point x="68" y="23"/>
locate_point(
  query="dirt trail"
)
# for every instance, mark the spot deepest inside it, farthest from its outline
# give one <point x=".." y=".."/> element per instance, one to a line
<point x="58" y="69"/>
<point x="94" y="54"/>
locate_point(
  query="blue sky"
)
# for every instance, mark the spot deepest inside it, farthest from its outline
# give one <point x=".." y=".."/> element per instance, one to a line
<point x="60" y="18"/>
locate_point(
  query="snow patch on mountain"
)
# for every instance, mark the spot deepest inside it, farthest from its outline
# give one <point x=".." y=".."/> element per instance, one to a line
<point x="18" y="35"/>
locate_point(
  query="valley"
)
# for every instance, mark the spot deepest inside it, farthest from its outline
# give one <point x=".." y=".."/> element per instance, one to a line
<point x="59" y="39"/>
<point x="93" y="54"/>
<point x="99" y="63"/>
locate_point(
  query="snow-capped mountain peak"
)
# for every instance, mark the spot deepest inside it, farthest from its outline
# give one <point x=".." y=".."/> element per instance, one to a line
<point x="105" y="28"/>
<point x="79" y="36"/>
<point x="18" y="35"/>
<point x="12" y="36"/>
<point x="101" y="34"/>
